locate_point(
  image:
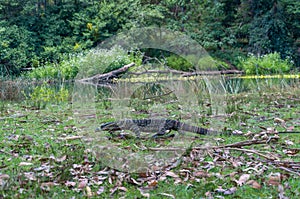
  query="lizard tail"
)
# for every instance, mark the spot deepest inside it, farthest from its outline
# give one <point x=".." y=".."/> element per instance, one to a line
<point x="193" y="129"/>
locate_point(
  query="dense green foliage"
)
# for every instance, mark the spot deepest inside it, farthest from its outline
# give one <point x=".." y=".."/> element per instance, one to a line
<point x="35" y="33"/>
<point x="269" y="63"/>
<point x="90" y="63"/>
<point x="64" y="70"/>
<point x="179" y="63"/>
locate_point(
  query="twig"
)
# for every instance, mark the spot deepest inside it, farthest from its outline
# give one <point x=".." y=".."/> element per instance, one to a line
<point x="237" y="144"/>
<point x="289" y="170"/>
<point x="251" y="151"/>
<point x="164" y="149"/>
<point x="6" y="153"/>
<point x="75" y="137"/>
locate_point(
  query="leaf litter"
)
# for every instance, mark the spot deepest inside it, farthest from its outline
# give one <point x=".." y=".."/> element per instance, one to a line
<point x="260" y="160"/>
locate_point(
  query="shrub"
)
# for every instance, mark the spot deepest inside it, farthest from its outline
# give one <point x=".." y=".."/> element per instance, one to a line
<point x="98" y="61"/>
<point x="95" y="61"/>
<point x="204" y="63"/>
<point x="15" y="49"/>
<point x="210" y="63"/>
<point x="178" y="63"/>
<point x="266" y="64"/>
<point x="42" y="95"/>
<point x="65" y="70"/>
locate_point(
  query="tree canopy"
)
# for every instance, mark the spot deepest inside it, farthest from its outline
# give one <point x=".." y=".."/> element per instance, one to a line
<point x="33" y="32"/>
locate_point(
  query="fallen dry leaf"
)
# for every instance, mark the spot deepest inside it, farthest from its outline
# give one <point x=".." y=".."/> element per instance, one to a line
<point x="201" y="174"/>
<point x="171" y="174"/>
<point x="237" y="132"/>
<point x="82" y="184"/>
<point x="135" y="182"/>
<point x="143" y="175"/>
<point x="220" y="190"/>
<point x="122" y="189"/>
<point x="152" y="183"/>
<point x="290" y="128"/>
<point x="100" y="190"/>
<point x="249" y="133"/>
<point x="30" y="176"/>
<point x="289" y="142"/>
<point x="274" y="180"/>
<point x="168" y="195"/>
<point x="70" y="184"/>
<point x="243" y="179"/>
<point x="279" y="121"/>
<point x="177" y="180"/>
<point x="4" y="176"/>
<point x="146" y="195"/>
<point x="89" y="192"/>
<point x="25" y="164"/>
<point x="237" y="164"/>
<point x="291" y="152"/>
<point x="208" y="194"/>
<point x="233" y="174"/>
<point x="281" y="192"/>
<point x="61" y="159"/>
<point x="254" y="184"/>
<point x="71" y="138"/>
<point x="113" y="190"/>
<point x="230" y="191"/>
<point x="47" y="185"/>
<point x="110" y="180"/>
<point x="226" y="191"/>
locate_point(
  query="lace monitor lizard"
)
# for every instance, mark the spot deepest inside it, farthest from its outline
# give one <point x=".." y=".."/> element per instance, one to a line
<point x="159" y="126"/>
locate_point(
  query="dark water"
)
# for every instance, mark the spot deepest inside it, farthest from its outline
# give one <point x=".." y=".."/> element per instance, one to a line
<point x="20" y="90"/>
<point x="234" y="85"/>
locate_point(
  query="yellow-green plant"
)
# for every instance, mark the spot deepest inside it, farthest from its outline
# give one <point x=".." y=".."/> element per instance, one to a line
<point x="65" y="70"/>
<point x="43" y="95"/>
<point x="266" y="64"/>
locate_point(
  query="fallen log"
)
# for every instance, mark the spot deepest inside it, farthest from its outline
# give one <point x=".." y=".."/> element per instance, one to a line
<point x="178" y="72"/>
<point x="221" y="72"/>
<point x="188" y="74"/>
<point x="107" y="77"/>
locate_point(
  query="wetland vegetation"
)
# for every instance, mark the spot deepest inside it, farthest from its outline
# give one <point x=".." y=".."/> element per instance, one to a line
<point x="43" y="153"/>
<point x="48" y="144"/>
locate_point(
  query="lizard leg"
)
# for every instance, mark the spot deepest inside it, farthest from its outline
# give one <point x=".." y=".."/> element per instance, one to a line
<point x="162" y="132"/>
<point x="135" y="129"/>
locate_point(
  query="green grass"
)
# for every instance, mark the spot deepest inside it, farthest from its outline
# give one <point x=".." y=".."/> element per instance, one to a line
<point x="37" y="158"/>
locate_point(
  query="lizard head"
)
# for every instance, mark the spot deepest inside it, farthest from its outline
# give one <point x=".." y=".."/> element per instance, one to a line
<point x="110" y="126"/>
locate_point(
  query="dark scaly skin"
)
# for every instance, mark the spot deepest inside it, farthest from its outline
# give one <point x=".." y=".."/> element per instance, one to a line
<point x="160" y="126"/>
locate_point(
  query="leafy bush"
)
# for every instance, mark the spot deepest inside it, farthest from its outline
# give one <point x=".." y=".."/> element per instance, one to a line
<point x="98" y="61"/>
<point x="65" y="70"/>
<point x="266" y="64"/>
<point x="95" y="61"/>
<point x="210" y="63"/>
<point x="178" y="63"/>
<point x="15" y="49"/>
<point x="204" y="63"/>
<point x="232" y="56"/>
<point x="136" y="57"/>
<point x="42" y="95"/>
